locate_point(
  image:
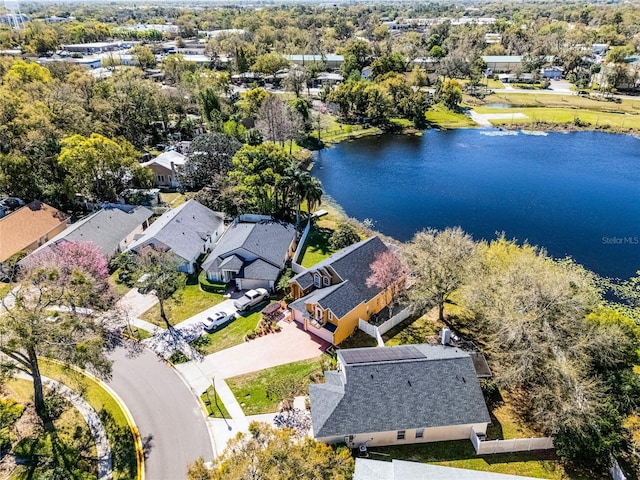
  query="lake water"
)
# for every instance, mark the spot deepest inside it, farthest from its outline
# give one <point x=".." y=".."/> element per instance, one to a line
<point x="576" y="194"/>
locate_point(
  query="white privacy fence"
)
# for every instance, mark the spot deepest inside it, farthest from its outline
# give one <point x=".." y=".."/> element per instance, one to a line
<point x="487" y="447"/>
<point x="616" y="471"/>
<point x="377" y="332"/>
<point x="295" y="266"/>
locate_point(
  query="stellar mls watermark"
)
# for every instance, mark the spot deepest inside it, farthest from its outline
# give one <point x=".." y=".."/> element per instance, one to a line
<point x="630" y="240"/>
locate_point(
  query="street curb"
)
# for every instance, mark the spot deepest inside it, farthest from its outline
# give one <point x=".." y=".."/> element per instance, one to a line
<point x="137" y="440"/>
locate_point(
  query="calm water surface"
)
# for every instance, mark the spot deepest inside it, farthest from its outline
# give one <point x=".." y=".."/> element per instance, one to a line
<point x="576" y="194"/>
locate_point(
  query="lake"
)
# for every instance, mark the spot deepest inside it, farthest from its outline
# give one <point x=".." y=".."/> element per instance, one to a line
<point x="576" y="194"/>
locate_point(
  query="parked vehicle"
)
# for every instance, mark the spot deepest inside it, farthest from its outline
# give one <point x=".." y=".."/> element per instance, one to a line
<point x="251" y="299"/>
<point x="217" y="320"/>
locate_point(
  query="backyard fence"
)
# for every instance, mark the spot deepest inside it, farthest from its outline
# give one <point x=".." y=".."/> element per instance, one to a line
<point x="377" y="332"/>
<point x="295" y="266"/>
<point x="487" y="447"/>
<point x="616" y="471"/>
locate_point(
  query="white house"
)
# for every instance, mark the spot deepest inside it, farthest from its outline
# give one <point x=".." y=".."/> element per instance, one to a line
<point x="188" y="231"/>
<point x="164" y="168"/>
<point x="398" y="395"/>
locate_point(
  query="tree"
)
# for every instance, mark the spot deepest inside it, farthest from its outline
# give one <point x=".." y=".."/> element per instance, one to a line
<point x="271" y="453"/>
<point x="439" y="261"/>
<point x="391" y="62"/>
<point x="175" y="66"/>
<point x="357" y="54"/>
<point x="343" y="236"/>
<point x="144" y="55"/>
<point x="251" y="101"/>
<point x="450" y="93"/>
<point x="305" y="187"/>
<point x="157" y="270"/>
<point x="52" y="313"/>
<point x="259" y="174"/>
<point x="99" y="167"/>
<point x="269" y="64"/>
<point x="277" y="122"/>
<point x="208" y="161"/>
<point x="389" y="273"/>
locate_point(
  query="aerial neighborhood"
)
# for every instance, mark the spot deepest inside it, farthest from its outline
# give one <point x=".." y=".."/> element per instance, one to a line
<point x="290" y="240"/>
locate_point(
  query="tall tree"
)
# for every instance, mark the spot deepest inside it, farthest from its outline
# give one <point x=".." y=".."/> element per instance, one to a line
<point x="52" y="312"/>
<point x="99" y="167"/>
<point x="277" y="121"/>
<point x="209" y="160"/>
<point x="157" y="270"/>
<point x="440" y="261"/>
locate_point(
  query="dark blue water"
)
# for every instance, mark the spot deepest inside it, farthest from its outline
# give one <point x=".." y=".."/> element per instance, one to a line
<point x="575" y="194"/>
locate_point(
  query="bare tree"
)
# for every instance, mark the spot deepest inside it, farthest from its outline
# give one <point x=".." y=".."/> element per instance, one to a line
<point x="439" y="261"/>
<point x="277" y="122"/>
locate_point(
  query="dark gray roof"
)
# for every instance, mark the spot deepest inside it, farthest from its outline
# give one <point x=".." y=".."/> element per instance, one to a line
<point x="183" y="229"/>
<point x="105" y="228"/>
<point x="268" y="240"/>
<point x="352" y="264"/>
<point x="314" y="297"/>
<point x="261" y="270"/>
<point x="367" y="469"/>
<point x="232" y="262"/>
<point x="380" y="395"/>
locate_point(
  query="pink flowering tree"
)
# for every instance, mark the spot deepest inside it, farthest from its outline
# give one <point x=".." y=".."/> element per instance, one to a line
<point x="389" y="272"/>
<point x="53" y="312"/>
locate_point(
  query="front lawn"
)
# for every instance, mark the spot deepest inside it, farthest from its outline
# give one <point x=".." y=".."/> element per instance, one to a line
<point x="213" y="404"/>
<point x="460" y="454"/>
<point x="229" y="335"/>
<point x="120" y="288"/>
<point x="251" y="389"/>
<point x="194" y="300"/>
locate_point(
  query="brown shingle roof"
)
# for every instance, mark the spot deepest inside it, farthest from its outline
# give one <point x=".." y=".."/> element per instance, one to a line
<point x="27" y="225"/>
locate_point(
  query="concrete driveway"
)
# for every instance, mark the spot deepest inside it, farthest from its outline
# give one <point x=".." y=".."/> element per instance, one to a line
<point x="226" y="307"/>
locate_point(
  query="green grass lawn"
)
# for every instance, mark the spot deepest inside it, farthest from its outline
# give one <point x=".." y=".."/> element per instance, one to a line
<point x="440" y="117"/>
<point x="316" y="247"/>
<point x="413" y="331"/>
<point x="231" y="334"/>
<point x="506" y="424"/>
<point x="113" y="418"/>
<point x="460" y="454"/>
<point x="173" y="199"/>
<point x="565" y="101"/>
<point x="135" y="333"/>
<point x="250" y="389"/>
<point x="215" y="408"/>
<point x="337" y="132"/>
<point x="565" y="115"/>
<point x="4" y="288"/>
<point x="359" y="339"/>
<point x="120" y="288"/>
<point x="491" y="83"/>
<point x="194" y="300"/>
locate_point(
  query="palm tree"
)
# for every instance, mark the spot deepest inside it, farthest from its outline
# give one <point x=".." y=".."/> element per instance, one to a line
<point x="313" y="192"/>
<point x="303" y="186"/>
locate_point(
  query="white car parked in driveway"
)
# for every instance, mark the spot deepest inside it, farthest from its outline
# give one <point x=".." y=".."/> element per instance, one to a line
<point x="251" y="299"/>
<point x="217" y="320"/>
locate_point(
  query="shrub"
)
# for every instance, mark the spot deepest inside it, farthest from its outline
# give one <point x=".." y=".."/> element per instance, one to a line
<point x="343" y="236"/>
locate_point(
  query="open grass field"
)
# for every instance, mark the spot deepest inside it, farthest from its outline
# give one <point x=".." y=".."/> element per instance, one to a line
<point x="439" y="117"/>
<point x="565" y="115"/>
<point x="251" y="389"/>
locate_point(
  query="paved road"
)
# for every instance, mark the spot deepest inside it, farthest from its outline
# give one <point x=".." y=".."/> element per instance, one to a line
<point x="166" y="412"/>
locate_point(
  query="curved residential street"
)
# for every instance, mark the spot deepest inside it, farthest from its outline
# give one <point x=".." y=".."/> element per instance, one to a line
<point x="171" y="423"/>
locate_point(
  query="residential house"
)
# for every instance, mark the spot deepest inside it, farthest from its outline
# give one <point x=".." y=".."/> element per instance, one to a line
<point x="367" y="469"/>
<point x="251" y="253"/>
<point x="553" y="73"/>
<point x="331" y="61"/>
<point x="188" y="231"/>
<point x="29" y="227"/>
<point x="503" y="63"/>
<point x="397" y="396"/>
<point x="110" y="229"/>
<point x="164" y="168"/>
<point x="332" y="295"/>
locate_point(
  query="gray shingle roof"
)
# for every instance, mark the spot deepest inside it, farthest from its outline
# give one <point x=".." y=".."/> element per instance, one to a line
<point x="352" y="264"/>
<point x="233" y="263"/>
<point x="268" y="240"/>
<point x="367" y="469"/>
<point x="261" y="270"/>
<point x="437" y="390"/>
<point x="183" y="229"/>
<point x="105" y="228"/>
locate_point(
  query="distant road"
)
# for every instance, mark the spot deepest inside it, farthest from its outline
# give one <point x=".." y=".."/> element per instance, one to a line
<point x="165" y="411"/>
